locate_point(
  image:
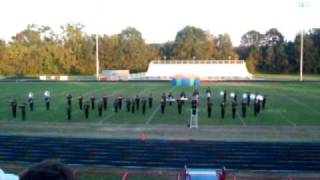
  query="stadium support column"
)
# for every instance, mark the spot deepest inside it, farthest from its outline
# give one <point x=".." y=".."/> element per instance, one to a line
<point x="97" y="57"/>
<point x="301" y="55"/>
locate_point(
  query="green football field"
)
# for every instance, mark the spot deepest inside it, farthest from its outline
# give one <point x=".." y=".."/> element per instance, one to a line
<point x="288" y="104"/>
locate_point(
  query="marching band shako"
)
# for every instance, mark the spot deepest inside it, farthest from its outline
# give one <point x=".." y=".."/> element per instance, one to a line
<point x="232" y="94"/>
<point x="30" y="95"/>
<point x="252" y="96"/>
<point x="260" y="97"/>
<point x="47" y="93"/>
<point x="221" y="93"/>
<point x="244" y="95"/>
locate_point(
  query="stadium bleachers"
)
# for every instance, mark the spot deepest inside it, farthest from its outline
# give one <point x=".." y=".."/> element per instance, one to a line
<point x="279" y="156"/>
<point x="203" y="69"/>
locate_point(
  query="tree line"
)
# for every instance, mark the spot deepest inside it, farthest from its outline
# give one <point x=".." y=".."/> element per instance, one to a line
<point x="39" y="50"/>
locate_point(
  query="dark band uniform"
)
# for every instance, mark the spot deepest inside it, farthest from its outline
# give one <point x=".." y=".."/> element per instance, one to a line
<point x="86" y="109"/>
<point x="209" y="108"/>
<point x="92" y="102"/>
<point x="234" y="109"/>
<point x="80" y="99"/>
<point x="23" y="111"/>
<point x="223" y="109"/>
<point x="13" y="104"/>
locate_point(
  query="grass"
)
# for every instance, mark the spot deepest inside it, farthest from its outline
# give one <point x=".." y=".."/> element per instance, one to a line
<point x="288" y="104"/>
<point x="288" y="77"/>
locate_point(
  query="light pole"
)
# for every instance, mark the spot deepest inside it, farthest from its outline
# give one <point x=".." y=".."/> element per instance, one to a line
<point x="97" y="57"/>
<point x="301" y="55"/>
<point x="302" y="4"/>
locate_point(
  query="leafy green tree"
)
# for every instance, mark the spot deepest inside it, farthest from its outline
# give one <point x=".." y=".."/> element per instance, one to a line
<point x="273" y="37"/>
<point x="251" y="38"/>
<point x="224" y="48"/>
<point x="253" y="59"/>
<point x="190" y="42"/>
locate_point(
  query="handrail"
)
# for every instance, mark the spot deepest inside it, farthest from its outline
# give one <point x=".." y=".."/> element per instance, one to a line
<point x="197" y="62"/>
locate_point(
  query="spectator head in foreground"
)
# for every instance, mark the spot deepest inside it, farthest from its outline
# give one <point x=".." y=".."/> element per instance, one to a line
<point x="48" y="170"/>
<point x="5" y="176"/>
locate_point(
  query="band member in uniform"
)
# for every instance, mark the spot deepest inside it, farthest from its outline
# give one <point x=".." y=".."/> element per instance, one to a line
<point x="23" y="110"/>
<point x="128" y="103"/>
<point x="183" y="96"/>
<point x="248" y="98"/>
<point x="144" y="105"/>
<point x="235" y="97"/>
<point x="163" y="104"/>
<point x="47" y="98"/>
<point x="119" y="100"/>
<point x="196" y="92"/>
<point x="115" y="105"/>
<point x="86" y="107"/>
<point x="137" y="102"/>
<point x="194" y="105"/>
<point x="259" y="98"/>
<point x="256" y="107"/>
<point x="30" y="101"/>
<point x="92" y="98"/>
<point x="100" y="108"/>
<point x="179" y="104"/>
<point x="208" y="94"/>
<point x="170" y="98"/>
<point x="105" y="102"/>
<point x="244" y="107"/>
<point x="223" y="109"/>
<point x="209" y="107"/>
<point x="69" y="112"/>
<point x="80" y="100"/>
<point x="234" y="108"/>
<point x="69" y="99"/>
<point x="253" y="98"/>
<point x="195" y="95"/>
<point x="13" y="105"/>
<point x="164" y="96"/>
<point x="133" y="104"/>
<point x="150" y="100"/>
<point x="225" y="96"/>
<point x="264" y="101"/>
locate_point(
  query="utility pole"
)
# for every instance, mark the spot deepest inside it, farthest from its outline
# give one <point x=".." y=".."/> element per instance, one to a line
<point x="97" y="57"/>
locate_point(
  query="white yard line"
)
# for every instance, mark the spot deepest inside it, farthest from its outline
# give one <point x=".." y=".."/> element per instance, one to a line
<point x="112" y="114"/>
<point x="97" y="90"/>
<point x="300" y="103"/>
<point x="104" y="119"/>
<point x="285" y="118"/>
<point x="152" y="115"/>
<point x="241" y="119"/>
<point x="156" y="110"/>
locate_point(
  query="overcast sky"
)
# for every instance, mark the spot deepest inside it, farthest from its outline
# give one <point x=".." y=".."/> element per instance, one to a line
<point x="159" y="20"/>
